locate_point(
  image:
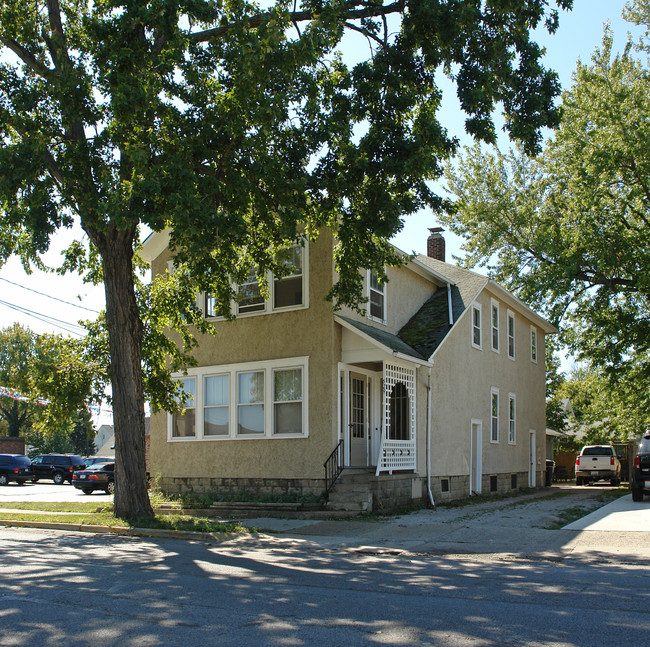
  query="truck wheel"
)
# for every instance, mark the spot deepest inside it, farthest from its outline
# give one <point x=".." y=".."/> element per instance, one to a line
<point x="637" y="494"/>
<point x="578" y="480"/>
<point x="615" y="481"/>
<point x="3" y="479"/>
<point x="58" y="478"/>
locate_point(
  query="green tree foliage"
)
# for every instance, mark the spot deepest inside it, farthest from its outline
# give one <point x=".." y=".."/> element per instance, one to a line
<point x="51" y="379"/>
<point x="74" y="435"/>
<point x="603" y="412"/>
<point x="568" y="230"/>
<point x="236" y="127"/>
<point x="17" y="352"/>
<point x="556" y="417"/>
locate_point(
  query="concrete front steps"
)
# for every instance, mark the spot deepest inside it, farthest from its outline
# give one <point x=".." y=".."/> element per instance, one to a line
<point x="359" y="490"/>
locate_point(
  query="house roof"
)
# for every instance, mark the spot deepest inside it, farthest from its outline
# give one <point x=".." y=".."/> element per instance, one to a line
<point x="386" y="341"/>
<point x="426" y="330"/>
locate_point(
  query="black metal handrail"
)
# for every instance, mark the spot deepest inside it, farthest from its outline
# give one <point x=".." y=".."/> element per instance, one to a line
<point x="333" y="466"/>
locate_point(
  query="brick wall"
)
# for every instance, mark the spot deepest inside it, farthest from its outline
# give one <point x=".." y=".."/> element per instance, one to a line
<point x="12" y="445"/>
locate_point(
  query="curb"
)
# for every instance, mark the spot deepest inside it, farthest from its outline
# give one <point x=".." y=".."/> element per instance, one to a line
<point x="123" y="530"/>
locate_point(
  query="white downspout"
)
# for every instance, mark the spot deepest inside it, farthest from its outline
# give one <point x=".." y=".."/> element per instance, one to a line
<point x="449" y="305"/>
<point x="433" y="503"/>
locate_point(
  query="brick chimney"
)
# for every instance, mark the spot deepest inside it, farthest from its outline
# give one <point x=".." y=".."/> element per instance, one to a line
<point x="436" y="244"/>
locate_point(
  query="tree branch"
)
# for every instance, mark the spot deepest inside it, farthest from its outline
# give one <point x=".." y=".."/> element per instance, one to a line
<point x="299" y="16"/>
<point x="26" y="57"/>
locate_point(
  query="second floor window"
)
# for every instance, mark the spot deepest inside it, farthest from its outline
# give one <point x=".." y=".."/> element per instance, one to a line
<point x="250" y="298"/>
<point x="377" y="297"/>
<point x="476" y="326"/>
<point x="287" y="290"/>
<point x="511" y="335"/>
<point x="495" y="326"/>
<point x="533" y="344"/>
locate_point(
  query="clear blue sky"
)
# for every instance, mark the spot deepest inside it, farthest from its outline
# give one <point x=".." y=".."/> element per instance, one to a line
<point x="579" y="34"/>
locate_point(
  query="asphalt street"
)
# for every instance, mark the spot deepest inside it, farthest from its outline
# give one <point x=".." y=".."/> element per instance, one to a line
<point x="374" y="584"/>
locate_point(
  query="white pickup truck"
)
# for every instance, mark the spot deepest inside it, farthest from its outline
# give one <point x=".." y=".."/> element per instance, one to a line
<point x="597" y="462"/>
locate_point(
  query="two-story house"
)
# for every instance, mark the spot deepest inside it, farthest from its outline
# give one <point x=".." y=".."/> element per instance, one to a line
<point x="437" y="392"/>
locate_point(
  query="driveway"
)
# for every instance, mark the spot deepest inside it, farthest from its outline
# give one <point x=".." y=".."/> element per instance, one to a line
<point x="529" y="525"/>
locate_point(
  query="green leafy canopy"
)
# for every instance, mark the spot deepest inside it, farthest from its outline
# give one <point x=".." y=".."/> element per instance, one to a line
<point x="568" y="229"/>
<point x="238" y="127"/>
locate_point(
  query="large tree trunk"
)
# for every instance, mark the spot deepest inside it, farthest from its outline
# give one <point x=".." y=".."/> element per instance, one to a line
<point x="125" y="338"/>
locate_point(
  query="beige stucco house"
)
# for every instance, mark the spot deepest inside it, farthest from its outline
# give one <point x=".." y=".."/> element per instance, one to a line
<point x="438" y="392"/>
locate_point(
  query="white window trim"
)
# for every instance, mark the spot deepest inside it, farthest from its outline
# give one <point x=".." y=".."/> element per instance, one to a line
<point x="534" y="346"/>
<point x="512" y="422"/>
<point x="268" y="303"/>
<point x="494" y="391"/>
<point x="479" y="309"/>
<point x="268" y="368"/>
<point x="495" y="304"/>
<point x="510" y="316"/>
<point x="383" y="319"/>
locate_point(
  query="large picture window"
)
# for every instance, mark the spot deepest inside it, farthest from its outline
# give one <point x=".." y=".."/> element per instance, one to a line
<point x="287" y="401"/>
<point x="244" y="401"/>
<point x="184" y="424"/>
<point x="250" y="403"/>
<point x="216" y="396"/>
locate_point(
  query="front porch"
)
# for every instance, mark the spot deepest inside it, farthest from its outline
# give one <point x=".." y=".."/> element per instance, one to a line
<point x="377" y="401"/>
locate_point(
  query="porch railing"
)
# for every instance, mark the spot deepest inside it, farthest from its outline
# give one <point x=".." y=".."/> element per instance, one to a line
<point x="333" y="466"/>
<point x="396" y="455"/>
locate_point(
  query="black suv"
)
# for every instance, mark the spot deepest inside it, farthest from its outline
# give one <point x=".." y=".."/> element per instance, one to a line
<point x="15" y="467"/>
<point x="58" y="467"/>
<point x="640" y="484"/>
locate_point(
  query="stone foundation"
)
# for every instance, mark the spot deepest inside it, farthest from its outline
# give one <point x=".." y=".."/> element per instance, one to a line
<point x="243" y="488"/>
<point x="453" y="488"/>
<point x="355" y="490"/>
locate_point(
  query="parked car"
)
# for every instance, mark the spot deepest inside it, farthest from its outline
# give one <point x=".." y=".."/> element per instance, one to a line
<point x="92" y="460"/>
<point x="15" y="467"/>
<point x="100" y="476"/>
<point x="597" y="462"/>
<point x="58" y="467"/>
<point x="640" y="483"/>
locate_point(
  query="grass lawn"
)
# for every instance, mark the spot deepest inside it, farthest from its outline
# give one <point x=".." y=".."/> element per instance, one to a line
<point x="89" y="513"/>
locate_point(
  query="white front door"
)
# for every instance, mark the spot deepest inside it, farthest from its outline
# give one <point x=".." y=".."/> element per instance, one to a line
<point x="476" y="464"/>
<point x="358" y="426"/>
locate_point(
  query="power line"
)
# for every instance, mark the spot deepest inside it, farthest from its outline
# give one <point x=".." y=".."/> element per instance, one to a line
<point x="58" y="323"/>
<point x="49" y="296"/>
